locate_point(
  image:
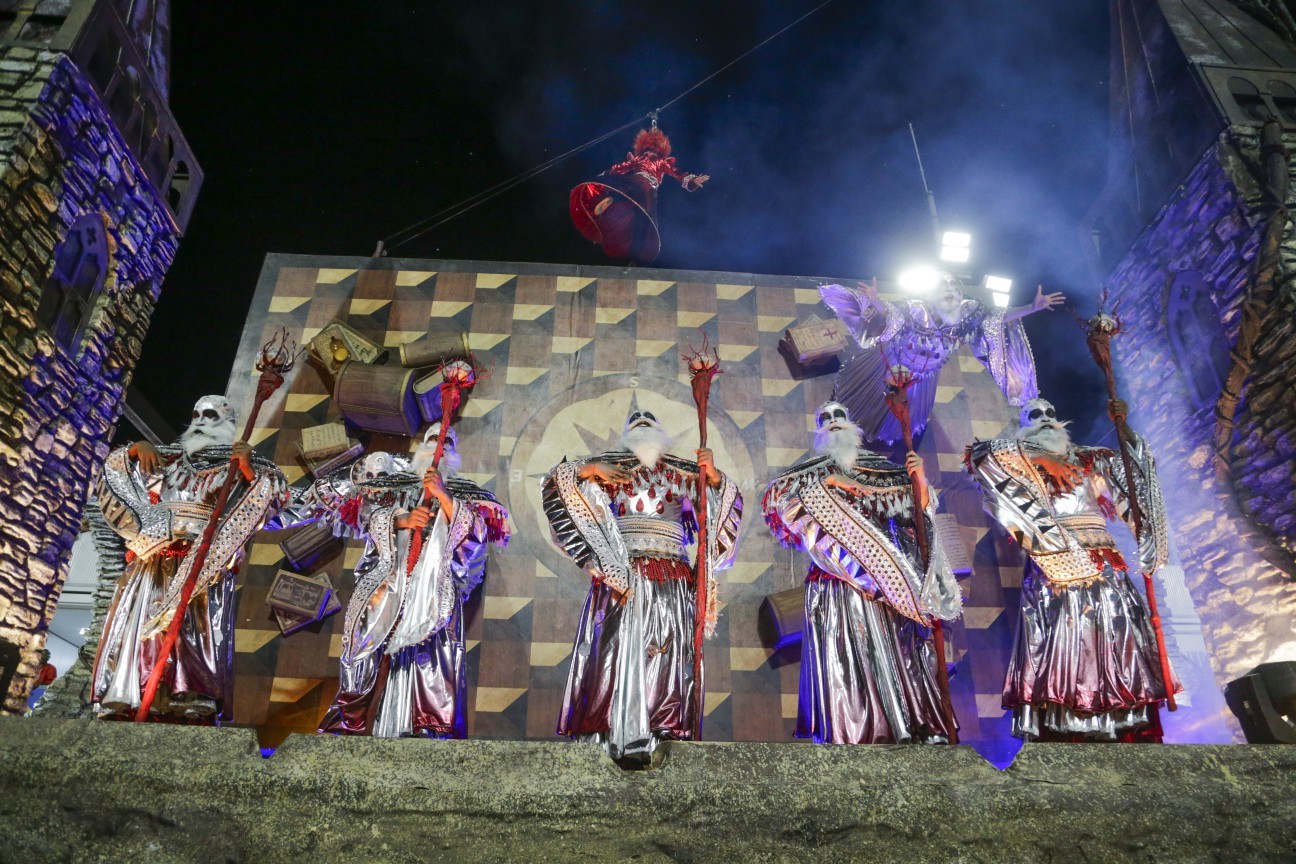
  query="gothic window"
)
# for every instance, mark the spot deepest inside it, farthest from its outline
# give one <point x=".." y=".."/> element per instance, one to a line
<point x="80" y="266"/>
<point x="1197" y="339"/>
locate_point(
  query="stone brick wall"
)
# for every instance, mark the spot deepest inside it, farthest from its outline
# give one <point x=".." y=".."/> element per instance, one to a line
<point x="61" y="159"/>
<point x="1230" y="533"/>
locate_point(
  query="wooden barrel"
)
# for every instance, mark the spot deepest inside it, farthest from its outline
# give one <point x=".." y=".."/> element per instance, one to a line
<point x="434" y="349"/>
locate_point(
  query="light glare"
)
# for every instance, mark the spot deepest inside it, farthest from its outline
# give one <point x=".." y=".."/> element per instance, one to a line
<point x="957" y="238"/>
<point x="1000" y="300"/>
<point x="998" y="283"/>
<point x="954" y="253"/>
<point x="919" y="280"/>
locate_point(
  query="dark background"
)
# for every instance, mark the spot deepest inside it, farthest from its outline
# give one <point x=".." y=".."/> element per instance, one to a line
<point x="323" y="128"/>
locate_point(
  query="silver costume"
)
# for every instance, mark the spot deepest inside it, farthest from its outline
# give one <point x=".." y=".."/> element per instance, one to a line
<point x="631" y="678"/>
<point x="868" y="671"/>
<point x="403" y="657"/>
<point x="1084" y="661"/>
<point x="161" y="516"/>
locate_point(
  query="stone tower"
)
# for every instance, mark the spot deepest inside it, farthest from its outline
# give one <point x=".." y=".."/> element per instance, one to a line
<point x="96" y="187"/>
<point x="1193" y="239"/>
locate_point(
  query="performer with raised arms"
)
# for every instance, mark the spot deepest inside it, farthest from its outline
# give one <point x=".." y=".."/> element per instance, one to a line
<point x="921" y="334"/>
<point x="1084" y="663"/>
<point x="159" y="499"/>
<point x="625" y="517"/>
<point x="868" y="671"/>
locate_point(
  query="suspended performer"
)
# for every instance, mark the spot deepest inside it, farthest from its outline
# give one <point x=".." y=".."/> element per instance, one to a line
<point x="921" y="335"/>
<point x="868" y="668"/>
<point x="618" y="209"/>
<point x="625" y="517"/>
<point x="159" y="500"/>
<point x="403" y="671"/>
<point x="1084" y="662"/>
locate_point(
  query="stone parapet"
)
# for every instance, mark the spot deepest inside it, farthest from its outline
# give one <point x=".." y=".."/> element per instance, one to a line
<point x="153" y="793"/>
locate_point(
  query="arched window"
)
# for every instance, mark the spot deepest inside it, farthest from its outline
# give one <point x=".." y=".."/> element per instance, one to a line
<point x="1197" y="337"/>
<point x="80" y="267"/>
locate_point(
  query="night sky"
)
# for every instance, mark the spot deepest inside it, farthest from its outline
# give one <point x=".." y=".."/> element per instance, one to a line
<point x="322" y="132"/>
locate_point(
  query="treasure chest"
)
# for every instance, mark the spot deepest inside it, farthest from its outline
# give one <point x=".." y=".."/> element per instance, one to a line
<point x="379" y="398"/>
<point x="782" y="617"/>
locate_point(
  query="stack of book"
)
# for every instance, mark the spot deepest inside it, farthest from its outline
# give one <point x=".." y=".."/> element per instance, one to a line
<point x="297" y="601"/>
<point x="327" y="448"/>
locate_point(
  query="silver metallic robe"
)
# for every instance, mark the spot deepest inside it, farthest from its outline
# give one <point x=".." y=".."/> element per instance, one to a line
<point x="911" y="334"/>
<point x="403" y="660"/>
<point x="1084" y="661"/>
<point x="631" y="678"/>
<point x="162" y="516"/>
<point x="868" y="671"/>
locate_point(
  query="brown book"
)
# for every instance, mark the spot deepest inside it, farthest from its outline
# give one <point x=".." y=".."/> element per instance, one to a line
<point x="290" y="623"/>
<point x="816" y="340"/>
<point x="310" y="545"/>
<point x="298" y="594"/>
<point x="320" y="442"/>
<point x="329" y="464"/>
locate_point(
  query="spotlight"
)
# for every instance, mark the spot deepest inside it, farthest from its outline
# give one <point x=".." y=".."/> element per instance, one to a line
<point x="999" y="288"/>
<point x="955" y="246"/>
<point x="919" y="280"/>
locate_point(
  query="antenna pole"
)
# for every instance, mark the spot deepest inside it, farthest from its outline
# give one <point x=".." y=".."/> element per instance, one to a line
<point x="931" y="197"/>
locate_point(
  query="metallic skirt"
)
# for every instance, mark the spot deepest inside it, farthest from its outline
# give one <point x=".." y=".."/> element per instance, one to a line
<point x="868" y="674"/>
<point x="1084" y="661"/>
<point x="198" y="684"/>
<point x="420" y="691"/>
<point x="631" y="678"/>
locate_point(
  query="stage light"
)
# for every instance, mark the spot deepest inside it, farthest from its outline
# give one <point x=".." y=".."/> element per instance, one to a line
<point x="919" y="280"/>
<point x="999" y="288"/>
<point x="955" y="246"/>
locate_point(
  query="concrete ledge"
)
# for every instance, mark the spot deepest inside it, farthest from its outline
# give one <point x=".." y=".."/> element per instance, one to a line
<point x="81" y="791"/>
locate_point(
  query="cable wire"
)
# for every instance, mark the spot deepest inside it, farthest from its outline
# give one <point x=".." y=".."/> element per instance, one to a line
<point x="458" y="209"/>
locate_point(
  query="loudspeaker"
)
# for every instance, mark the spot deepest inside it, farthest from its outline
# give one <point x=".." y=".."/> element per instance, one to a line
<point x="1261" y="698"/>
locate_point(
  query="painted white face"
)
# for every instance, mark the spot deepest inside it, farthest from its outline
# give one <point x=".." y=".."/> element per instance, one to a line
<point x="450" y="461"/>
<point x="832" y="416"/>
<point x="645" y="437"/>
<point x="836" y="436"/>
<point x="1040" y="425"/>
<point x="213" y="423"/>
<point x="949" y="297"/>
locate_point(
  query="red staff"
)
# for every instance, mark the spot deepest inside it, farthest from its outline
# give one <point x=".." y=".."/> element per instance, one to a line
<point x="277" y="357"/>
<point x="456" y="376"/>
<point x="1099" y="331"/>
<point x="899" y="380"/>
<point x="703" y="365"/>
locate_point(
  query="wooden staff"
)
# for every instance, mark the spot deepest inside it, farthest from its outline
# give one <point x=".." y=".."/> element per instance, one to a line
<point x="899" y="381"/>
<point x="1099" y="331"/>
<point x="457" y="376"/>
<point x="276" y="361"/>
<point x="703" y="366"/>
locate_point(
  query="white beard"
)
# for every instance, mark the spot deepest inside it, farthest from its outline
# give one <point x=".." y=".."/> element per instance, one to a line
<point x="648" y="443"/>
<point x="842" y="446"/>
<point x="450" y="460"/>
<point x="196" y="438"/>
<point x="1053" y="438"/>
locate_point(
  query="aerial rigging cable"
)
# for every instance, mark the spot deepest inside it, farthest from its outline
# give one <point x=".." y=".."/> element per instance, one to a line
<point x="418" y="229"/>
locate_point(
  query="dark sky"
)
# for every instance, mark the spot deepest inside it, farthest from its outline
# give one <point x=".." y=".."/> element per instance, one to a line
<point x="323" y="128"/>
